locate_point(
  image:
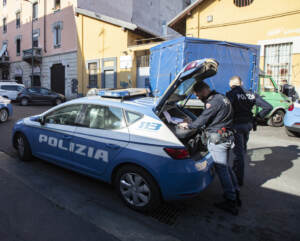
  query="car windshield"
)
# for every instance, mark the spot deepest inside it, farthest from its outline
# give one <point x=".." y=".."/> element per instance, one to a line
<point x="266" y="84"/>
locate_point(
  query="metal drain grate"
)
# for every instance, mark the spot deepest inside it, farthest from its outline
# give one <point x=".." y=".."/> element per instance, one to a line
<point x="168" y="213"/>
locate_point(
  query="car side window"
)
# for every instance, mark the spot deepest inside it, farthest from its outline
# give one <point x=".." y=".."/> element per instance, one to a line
<point x="132" y="117"/>
<point x="44" y="91"/>
<point x="64" y="116"/>
<point x="103" y="117"/>
<point x="33" y="90"/>
<point x="9" y="87"/>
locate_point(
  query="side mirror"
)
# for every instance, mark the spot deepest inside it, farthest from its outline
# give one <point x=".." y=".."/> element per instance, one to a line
<point x="41" y="119"/>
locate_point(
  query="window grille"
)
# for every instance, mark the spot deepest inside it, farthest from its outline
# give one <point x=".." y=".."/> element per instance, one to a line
<point x="242" y="3"/>
<point x="278" y="62"/>
<point x="143" y="61"/>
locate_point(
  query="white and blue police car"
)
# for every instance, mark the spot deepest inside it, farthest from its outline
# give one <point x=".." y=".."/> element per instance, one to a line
<point x="128" y="139"/>
<point x="6" y="109"/>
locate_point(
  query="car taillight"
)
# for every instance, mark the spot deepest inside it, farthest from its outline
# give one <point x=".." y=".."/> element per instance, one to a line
<point x="291" y="107"/>
<point x="19" y="93"/>
<point x="177" y="153"/>
<point x="191" y="66"/>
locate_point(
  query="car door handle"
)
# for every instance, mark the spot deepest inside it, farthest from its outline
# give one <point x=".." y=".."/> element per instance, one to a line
<point x="112" y="146"/>
<point x="65" y="137"/>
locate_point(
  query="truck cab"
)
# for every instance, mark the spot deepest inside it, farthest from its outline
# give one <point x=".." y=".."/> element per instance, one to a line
<point x="269" y="91"/>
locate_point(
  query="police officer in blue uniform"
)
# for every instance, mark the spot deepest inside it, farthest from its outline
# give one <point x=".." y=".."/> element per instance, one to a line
<point x="216" y="119"/>
<point x="242" y="102"/>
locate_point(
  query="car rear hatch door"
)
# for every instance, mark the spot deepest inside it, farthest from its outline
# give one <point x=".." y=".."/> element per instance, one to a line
<point x="182" y="85"/>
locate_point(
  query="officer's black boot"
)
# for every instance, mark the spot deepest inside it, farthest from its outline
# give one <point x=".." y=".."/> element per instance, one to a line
<point x="228" y="206"/>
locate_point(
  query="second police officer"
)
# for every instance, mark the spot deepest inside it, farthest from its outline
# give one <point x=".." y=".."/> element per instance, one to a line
<point x="242" y="102"/>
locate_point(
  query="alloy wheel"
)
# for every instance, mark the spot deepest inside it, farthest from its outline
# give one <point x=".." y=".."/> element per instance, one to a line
<point x="3" y="115"/>
<point x="135" y="189"/>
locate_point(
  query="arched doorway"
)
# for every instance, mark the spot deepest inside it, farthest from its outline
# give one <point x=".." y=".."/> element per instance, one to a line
<point x="58" y="78"/>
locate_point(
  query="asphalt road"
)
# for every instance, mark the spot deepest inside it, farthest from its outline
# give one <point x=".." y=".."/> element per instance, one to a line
<point x="43" y="202"/>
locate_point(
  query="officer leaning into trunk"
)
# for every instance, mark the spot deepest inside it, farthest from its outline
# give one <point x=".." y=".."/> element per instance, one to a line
<point x="216" y="120"/>
<point x="243" y="121"/>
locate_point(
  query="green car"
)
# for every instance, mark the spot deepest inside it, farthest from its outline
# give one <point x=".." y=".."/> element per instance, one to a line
<point x="269" y="91"/>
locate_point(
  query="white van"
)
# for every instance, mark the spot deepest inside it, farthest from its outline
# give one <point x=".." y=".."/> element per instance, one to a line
<point x="10" y="90"/>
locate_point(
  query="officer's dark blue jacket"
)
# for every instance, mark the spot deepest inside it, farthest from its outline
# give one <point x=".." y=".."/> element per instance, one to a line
<point x="218" y="113"/>
<point x="243" y="101"/>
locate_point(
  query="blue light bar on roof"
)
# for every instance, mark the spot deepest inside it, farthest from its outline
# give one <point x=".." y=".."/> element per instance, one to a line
<point x="123" y="93"/>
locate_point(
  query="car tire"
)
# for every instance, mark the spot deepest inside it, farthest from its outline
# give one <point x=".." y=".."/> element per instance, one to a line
<point x="3" y="115"/>
<point x="57" y="101"/>
<point x="276" y="120"/>
<point x="137" y="188"/>
<point x="291" y="133"/>
<point x="23" y="148"/>
<point x="24" y="101"/>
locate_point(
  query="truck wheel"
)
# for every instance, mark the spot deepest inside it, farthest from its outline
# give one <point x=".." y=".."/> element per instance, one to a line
<point x="276" y="119"/>
<point x="3" y="115"/>
<point x="291" y="133"/>
<point x="24" y="101"/>
<point x="23" y="148"/>
<point x="137" y="188"/>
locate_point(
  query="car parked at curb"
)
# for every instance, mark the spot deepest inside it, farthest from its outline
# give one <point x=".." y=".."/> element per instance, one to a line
<point x="6" y="109"/>
<point x="128" y="139"/>
<point x="10" y="89"/>
<point x="39" y="95"/>
<point x="292" y="119"/>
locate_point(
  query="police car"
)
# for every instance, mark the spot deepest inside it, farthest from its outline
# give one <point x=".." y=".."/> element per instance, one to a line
<point x="6" y="109"/>
<point x="128" y="139"/>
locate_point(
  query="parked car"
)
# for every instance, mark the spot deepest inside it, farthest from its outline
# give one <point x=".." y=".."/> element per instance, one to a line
<point x="39" y="95"/>
<point x="10" y="90"/>
<point x="292" y="119"/>
<point x="6" y="109"/>
<point x="127" y="139"/>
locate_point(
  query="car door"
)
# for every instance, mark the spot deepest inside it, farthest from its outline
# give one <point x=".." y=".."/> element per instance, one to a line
<point x="35" y="94"/>
<point x="53" y="139"/>
<point x="100" y="136"/>
<point x="46" y="95"/>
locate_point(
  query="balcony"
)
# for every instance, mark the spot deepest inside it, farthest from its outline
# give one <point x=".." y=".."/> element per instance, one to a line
<point x="4" y="61"/>
<point x="35" y="53"/>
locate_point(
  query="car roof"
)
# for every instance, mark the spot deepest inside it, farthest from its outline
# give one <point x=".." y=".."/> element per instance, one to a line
<point x="142" y="105"/>
<point x="10" y="83"/>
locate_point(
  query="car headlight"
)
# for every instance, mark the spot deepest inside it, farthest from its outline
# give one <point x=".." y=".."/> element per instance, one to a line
<point x="4" y="100"/>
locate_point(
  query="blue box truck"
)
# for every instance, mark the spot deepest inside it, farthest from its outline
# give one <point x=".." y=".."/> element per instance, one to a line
<point x="168" y="58"/>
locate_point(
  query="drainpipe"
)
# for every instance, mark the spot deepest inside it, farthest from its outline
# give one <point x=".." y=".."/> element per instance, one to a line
<point x="45" y="14"/>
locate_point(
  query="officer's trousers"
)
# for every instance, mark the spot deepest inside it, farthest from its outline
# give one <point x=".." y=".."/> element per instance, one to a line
<point x="220" y="155"/>
<point x="241" y="138"/>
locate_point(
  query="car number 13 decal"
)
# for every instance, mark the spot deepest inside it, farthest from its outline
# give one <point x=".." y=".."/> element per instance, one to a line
<point x="151" y="126"/>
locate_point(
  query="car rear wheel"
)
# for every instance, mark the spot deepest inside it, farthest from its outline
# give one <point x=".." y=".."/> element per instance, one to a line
<point x="23" y="148"/>
<point x="276" y="119"/>
<point x="291" y="133"/>
<point x="3" y="115"/>
<point x="137" y="188"/>
<point x="57" y="101"/>
<point x="24" y="101"/>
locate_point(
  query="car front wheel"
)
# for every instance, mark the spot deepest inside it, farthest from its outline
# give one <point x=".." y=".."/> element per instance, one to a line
<point x="3" y="115"/>
<point x="137" y="188"/>
<point x="57" y="101"/>
<point x="23" y="148"/>
<point x="276" y="119"/>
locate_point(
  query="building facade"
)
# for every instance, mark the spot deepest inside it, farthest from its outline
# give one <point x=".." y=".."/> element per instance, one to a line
<point x="39" y="40"/>
<point x="54" y="43"/>
<point x="271" y="24"/>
